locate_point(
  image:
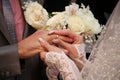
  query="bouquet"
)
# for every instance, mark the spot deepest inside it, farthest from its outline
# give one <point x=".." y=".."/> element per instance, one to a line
<point x="78" y="19"/>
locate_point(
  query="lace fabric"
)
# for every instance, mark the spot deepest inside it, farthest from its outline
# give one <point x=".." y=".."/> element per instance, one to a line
<point x="52" y="73"/>
<point x="81" y="60"/>
<point x="68" y="68"/>
<point x="80" y="49"/>
<point x="63" y="64"/>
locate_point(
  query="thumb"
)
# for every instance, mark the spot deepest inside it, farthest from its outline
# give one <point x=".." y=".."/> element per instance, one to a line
<point x="43" y="55"/>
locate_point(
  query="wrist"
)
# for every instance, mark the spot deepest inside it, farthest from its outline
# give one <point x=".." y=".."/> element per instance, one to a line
<point x="20" y="52"/>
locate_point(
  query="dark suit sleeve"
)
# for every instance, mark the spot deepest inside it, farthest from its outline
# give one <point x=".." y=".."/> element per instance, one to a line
<point x="9" y="61"/>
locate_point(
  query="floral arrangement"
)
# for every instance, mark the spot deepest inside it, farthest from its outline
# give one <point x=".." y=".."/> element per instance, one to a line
<point x="79" y="20"/>
<point x="35" y="15"/>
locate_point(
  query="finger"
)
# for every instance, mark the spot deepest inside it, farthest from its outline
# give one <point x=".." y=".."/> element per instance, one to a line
<point x="51" y="37"/>
<point x="71" y="49"/>
<point x="65" y="51"/>
<point x="66" y="39"/>
<point x="44" y="44"/>
<point x="65" y="32"/>
<point x="54" y="36"/>
<point x="63" y="44"/>
<point x="43" y="55"/>
<point x="49" y="47"/>
<point x="79" y="39"/>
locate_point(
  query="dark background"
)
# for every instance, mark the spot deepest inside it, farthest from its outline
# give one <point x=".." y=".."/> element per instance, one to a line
<point x="98" y="7"/>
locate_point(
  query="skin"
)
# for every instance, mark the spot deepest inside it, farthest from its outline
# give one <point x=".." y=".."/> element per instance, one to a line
<point x="30" y="46"/>
<point x="47" y="47"/>
<point x="68" y="45"/>
<point x="66" y="39"/>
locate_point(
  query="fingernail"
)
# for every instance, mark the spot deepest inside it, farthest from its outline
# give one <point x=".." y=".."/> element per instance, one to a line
<point x="41" y="40"/>
<point x="55" y="40"/>
<point x="66" y="51"/>
<point x="50" y="32"/>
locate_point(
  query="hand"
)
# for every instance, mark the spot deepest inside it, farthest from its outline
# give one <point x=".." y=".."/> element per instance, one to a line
<point x="67" y="46"/>
<point x="30" y="46"/>
<point x="75" y="55"/>
<point x="78" y="57"/>
<point x="76" y="39"/>
<point x="47" y="48"/>
<point x="67" y="33"/>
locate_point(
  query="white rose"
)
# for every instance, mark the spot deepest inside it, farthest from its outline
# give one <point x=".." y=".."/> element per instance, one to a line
<point x="91" y="23"/>
<point x="76" y="24"/>
<point x="56" y="22"/>
<point x="36" y="15"/>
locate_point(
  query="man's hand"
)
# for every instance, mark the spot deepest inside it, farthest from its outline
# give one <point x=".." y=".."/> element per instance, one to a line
<point x="30" y="46"/>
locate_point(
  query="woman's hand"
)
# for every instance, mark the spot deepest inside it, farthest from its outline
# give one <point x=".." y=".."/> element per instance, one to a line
<point x="55" y="59"/>
<point x="71" y="37"/>
<point x="49" y="48"/>
<point x="68" y="44"/>
<point x="76" y="49"/>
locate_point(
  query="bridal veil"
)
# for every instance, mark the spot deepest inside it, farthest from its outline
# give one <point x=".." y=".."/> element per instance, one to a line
<point x="105" y="57"/>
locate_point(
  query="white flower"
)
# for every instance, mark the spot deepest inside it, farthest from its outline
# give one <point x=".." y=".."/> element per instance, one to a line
<point x="56" y="22"/>
<point x="78" y="20"/>
<point x="35" y="15"/>
<point x="76" y="24"/>
<point x="92" y="25"/>
<point x="72" y="9"/>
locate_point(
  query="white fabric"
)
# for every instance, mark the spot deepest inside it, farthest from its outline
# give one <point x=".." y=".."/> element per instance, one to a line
<point x="80" y="49"/>
<point x="60" y="62"/>
<point x="103" y="66"/>
<point x="63" y="64"/>
<point x="105" y="56"/>
<point x="81" y="53"/>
